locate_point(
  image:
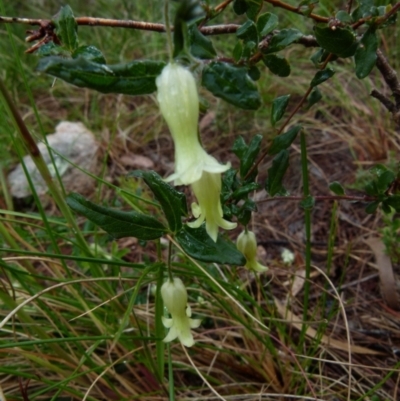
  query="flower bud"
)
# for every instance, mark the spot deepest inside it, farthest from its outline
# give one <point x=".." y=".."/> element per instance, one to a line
<point x="247" y="244"/>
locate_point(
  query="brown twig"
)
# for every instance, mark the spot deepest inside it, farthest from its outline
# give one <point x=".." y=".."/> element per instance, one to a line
<point x="114" y="23"/>
<point x="322" y="198"/>
<point x="294" y="9"/>
<point x="349" y="5"/>
<point x="295" y="110"/>
<point x="392" y="81"/>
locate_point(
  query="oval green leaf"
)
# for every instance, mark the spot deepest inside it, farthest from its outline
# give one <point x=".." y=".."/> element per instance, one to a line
<point x="340" y="41"/>
<point x="277" y="65"/>
<point x="276" y="173"/>
<point x="278" y="108"/>
<point x="283" y="141"/>
<point x="231" y="84"/>
<point x="365" y="57"/>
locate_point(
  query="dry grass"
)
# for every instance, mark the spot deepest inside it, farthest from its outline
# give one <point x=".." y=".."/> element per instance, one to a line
<point x="247" y="350"/>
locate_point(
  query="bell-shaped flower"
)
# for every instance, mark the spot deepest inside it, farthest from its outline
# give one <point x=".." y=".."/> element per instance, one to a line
<point x="179" y="104"/>
<point x="208" y="194"/>
<point x="174" y="296"/>
<point x="247" y="244"/>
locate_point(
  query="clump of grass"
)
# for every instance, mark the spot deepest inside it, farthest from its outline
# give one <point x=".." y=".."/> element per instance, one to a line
<point x="82" y="325"/>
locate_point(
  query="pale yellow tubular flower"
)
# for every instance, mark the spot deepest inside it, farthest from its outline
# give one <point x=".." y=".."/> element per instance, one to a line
<point x="179" y="104"/>
<point x="247" y="244"/>
<point x="208" y="194"/>
<point x="174" y="295"/>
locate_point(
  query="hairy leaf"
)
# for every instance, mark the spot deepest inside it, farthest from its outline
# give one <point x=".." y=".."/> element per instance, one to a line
<point x="67" y="28"/>
<point x="266" y="23"/>
<point x="277" y="65"/>
<point x="200" y="45"/>
<point x="133" y="78"/>
<point x="365" y="57"/>
<point x="340" y="41"/>
<point x="172" y="201"/>
<point x="278" y="108"/>
<point x="231" y="84"/>
<point x="283" y="141"/>
<point x="198" y="244"/>
<point x="117" y="223"/>
<point x="322" y="76"/>
<point x="282" y="39"/>
<point x="90" y="53"/>
<point x="336" y="188"/>
<point x="276" y="173"/>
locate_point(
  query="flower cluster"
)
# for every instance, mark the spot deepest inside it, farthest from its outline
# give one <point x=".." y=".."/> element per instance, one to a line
<point x="179" y="104"/>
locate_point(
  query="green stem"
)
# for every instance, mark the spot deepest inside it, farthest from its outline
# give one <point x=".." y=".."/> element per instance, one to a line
<point x="42" y="168"/>
<point x="307" y="222"/>
<point x="168" y="31"/>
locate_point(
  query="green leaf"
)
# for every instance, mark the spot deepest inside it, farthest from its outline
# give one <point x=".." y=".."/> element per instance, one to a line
<point x="254" y="73"/>
<point x="364" y="10"/>
<point x="308" y="203"/>
<point x="394" y="202"/>
<point x="200" y="45"/>
<point x="340" y="41"/>
<point x="51" y="49"/>
<point x="372" y="206"/>
<point x="248" y="49"/>
<point x="243" y="191"/>
<point x="133" y="78"/>
<point x="90" y="53"/>
<point x="336" y="188"/>
<point x="283" y="141"/>
<point x="239" y="6"/>
<point x="187" y="11"/>
<point x="282" y="39"/>
<point x="322" y="76"/>
<point x="278" y="108"/>
<point x="277" y="65"/>
<point x="253" y="8"/>
<point x="365" y="57"/>
<point x="198" y="244"/>
<point x="386" y="207"/>
<point x="343" y="16"/>
<point x="320" y="56"/>
<point x="173" y="202"/>
<point x="245" y="212"/>
<point x="239" y="147"/>
<point x="314" y="97"/>
<point x="248" y="32"/>
<point x="276" y="172"/>
<point x="249" y="156"/>
<point x="384" y="181"/>
<point x="67" y="28"/>
<point x="231" y="84"/>
<point x="117" y="223"/>
<point x="237" y="51"/>
<point x="266" y="23"/>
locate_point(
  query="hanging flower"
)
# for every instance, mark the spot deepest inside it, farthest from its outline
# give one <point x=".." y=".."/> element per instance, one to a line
<point x="247" y="244"/>
<point x="179" y="104"/>
<point x="208" y="192"/>
<point x="174" y="296"/>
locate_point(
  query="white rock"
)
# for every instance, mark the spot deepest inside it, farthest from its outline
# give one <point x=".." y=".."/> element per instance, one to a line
<point x="75" y="142"/>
